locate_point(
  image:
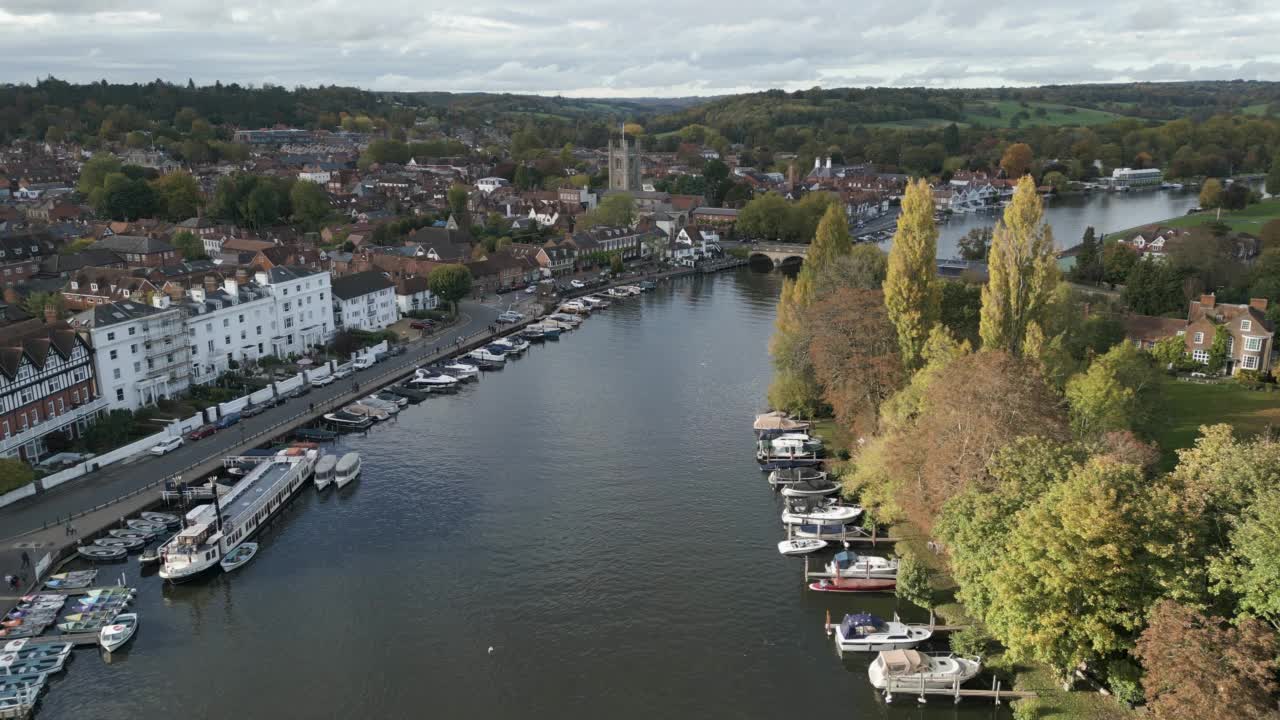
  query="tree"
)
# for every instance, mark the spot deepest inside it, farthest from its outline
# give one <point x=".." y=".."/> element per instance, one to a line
<point x="615" y="263"/>
<point x="37" y="301"/>
<point x="863" y="267"/>
<point x="1118" y="260"/>
<point x="1196" y="665"/>
<point x="616" y="209"/>
<point x="1022" y="272"/>
<point x="1273" y="177"/>
<point x="975" y="244"/>
<point x="188" y="245"/>
<point x="910" y="290"/>
<point x="457" y="196"/>
<point x="831" y="240"/>
<point x="310" y="203"/>
<point x="1250" y="570"/>
<point x="1016" y="160"/>
<point x="179" y="195"/>
<point x="1211" y="194"/>
<point x="1080" y="568"/>
<point x="1218" y="350"/>
<point x="450" y="283"/>
<point x="764" y="218"/>
<point x="854" y="350"/>
<point x="14" y="474"/>
<point x="94" y="173"/>
<point x="913" y="578"/>
<point x="1169" y="351"/>
<point x="951" y="138"/>
<point x="1056" y="180"/>
<point x="1237" y="196"/>
<point x="1088" y="267"/>
<point x="125" y="198"/>
<point x="716" y="176"/>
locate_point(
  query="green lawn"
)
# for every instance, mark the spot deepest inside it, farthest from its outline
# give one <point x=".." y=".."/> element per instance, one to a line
<point x="1250" y="219"/>
<point x="1055" y="115"/>
<point x="1183" y="407"/>
<point x="1259" y="109"/>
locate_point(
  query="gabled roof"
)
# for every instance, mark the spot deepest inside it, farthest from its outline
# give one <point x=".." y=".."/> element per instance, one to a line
<point x="360" y="284"/>
<point x="33" y="339"/>
<point x="137" y="244"/>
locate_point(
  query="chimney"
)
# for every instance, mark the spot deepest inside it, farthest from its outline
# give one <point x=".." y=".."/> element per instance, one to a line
<point x="233" y="289"/>
<point x="828" y="162"/>
<point x="197" y="294"/>
<point x="210" y="283"/>
<point x="1208" y="301"/>
<point x="260" y="278"/>
<point x="160" y="300"/>
<point x="817" y="163"/>
<point x="1259" y="304"/>
<point x="50" y="314"/>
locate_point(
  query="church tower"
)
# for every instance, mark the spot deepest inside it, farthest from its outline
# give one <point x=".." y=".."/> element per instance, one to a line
<point x="624" y="164"/>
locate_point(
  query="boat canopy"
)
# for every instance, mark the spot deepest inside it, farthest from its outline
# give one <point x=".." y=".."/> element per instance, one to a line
<point x="904" y="662"/>
<point x="845" y="559"/>
<point x="778" y="421"/>
<point x="860" y="624"/>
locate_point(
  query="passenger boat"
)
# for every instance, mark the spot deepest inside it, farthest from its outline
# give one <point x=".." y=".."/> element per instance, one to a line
<point x="324" y="471"/>
<point x="348" y="469"/>
<point x="848" y="585"/>
<point x="824" y="514"/>
<point x="911" y="669"/>
<point x="800" y="546"/>
<point x="213" y="530"/>
<point x="772" y="424"/>
<point x="359" y="408"/>
<point x="346" y="421"/>
<point x="863" y="632"/>
<point x="172" y="522"/>
<point x="241" y="555"/>
<point x="114" y="636"/>
<point x="97" y="553"/>
<point x="849" y="564"/>
<point x="461" y="372"/>
<point x="433" y="381"/>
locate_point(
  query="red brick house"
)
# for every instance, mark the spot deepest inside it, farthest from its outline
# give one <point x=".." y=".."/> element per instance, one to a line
<point x="46" y="384"/>
<point x="1252" y="335"/>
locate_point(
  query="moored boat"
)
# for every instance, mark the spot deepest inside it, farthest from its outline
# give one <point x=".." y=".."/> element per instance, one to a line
<point x="782" y="477"/>
<point x="849" y="564"/>
<point x="912" y="669"/>
<point x="241" y="555"/>
<point x="848" y="585"/>
<point x="343" y="420"/>
<point x="117" y="542"/>
<point x="155" y="528"/>
<point x="433" y="381"/>
<point x="369" y="411"/>
<point x="112" y="637"/>
<point x="487" y="358"/>
<point x="771" y="424"/>
<point x="97" y="553"/>
<point x="800" y="546"/>
<point x="166" y="519"/>
<point x="863" y="632"/>
<point x="324" y="471"/>
<point x="460" y="371"/>
<point x="824" y="514"/>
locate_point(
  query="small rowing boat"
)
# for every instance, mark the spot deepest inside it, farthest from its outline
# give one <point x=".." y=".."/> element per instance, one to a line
<point x="241" y="555"/>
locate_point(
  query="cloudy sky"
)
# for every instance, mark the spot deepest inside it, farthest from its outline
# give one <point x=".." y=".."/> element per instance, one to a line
<point x="654" y="48"/>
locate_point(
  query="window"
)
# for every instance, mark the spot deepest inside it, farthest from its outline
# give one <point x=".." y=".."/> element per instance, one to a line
<point x="259" y="329"/>
<point x="50" y="406"/>
<point x="194" y="349"/>
<point x="226" y="340"/>
<point x="137" y="366"/>
<point x="210" y="346"/>
<point x="288" y="322"/>
<point x="22" y="422"/>
<point x="290" y="339"/>
<point x="114" y="354"/>
<point x="5" y="427"/>
<point x="1253" y="344"/>
<point x="208" y="327"/>
<point x="1249" y="362"/>
<point x="241" y="318"/>
<point x="1246" y="325"/>
<point x="288" y="306"/>
<point x="1198" y="338"/>
<point x="133" y="330"/>
<point x="133" y="349"/>
<point x="61" y="407"/>
<point x="111" y="336"/>
<point x="75" y="397"/>
<point x="115" y="373"/>
<point x="1201" y="356"/>
<point x="226" y="322"/>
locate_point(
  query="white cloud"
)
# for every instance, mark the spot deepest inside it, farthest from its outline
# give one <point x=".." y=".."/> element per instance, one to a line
<point x="665" y="47"/>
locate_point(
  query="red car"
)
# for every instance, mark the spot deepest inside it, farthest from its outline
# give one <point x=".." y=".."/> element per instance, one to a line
<point x="421" y="324"/>
<point x="203" y="431"/>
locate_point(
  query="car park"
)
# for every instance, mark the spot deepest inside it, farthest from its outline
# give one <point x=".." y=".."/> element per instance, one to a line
<point x="203" y="431"/>
<point x="166" y="446"/>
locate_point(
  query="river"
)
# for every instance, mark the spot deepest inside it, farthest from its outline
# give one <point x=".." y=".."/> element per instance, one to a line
<point x="593" y="513"/>
<point x="1069" y="215"/>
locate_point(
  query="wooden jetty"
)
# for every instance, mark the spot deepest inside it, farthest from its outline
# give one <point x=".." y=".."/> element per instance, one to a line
<point x="996" y="693"/>
<point x="84" y="638"/>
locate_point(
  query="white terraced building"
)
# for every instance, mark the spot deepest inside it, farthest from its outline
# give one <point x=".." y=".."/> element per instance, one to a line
<point x="140" y="351"/>
<point x="231" y="323"/>
<point x="303" y="308"/>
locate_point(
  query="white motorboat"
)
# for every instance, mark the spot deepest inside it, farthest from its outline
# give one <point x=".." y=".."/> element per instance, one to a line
<point x="825" y="514"/>
<point x="241" y="555"/>
<point x="849" y="564"/>
<point x="461" y="371"/>
<point x="391" y="408"/>
<point x="115" y="635"/>
<point x="863" y="632"/>
<point x="595" y="303"/>
<point x="911" y="669"/>
<point x="325" y="471"/>
<point x="488" y="354"/>
<point x="576" y="307"/>
<point x="617" y="292"/>
<point x="513" y="344"/>
<point x="432" y="381"/>
<point x="782" y="477"/>
<point x="800" y="546"/>
<point x="369" y="411"/>
<point x="566" y="320"/>
<point x="631" y="289"/>
<point x="811" y="485"/>
<point x="348" y="469"/>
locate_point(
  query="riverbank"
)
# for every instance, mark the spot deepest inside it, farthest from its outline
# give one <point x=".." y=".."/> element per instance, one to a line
<point x="1249" y="220"/>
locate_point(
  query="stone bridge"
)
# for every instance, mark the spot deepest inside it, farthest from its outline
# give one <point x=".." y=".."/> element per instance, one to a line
<point x="781" y="254"/>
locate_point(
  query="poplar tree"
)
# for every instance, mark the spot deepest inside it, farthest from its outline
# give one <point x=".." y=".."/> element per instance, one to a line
<point x="911" y="292"/>
<point x="831" y="241"/>
<point x="1022" y="272"/>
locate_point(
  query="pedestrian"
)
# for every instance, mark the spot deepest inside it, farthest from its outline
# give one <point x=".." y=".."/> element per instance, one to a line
<point x="74" y="532"/>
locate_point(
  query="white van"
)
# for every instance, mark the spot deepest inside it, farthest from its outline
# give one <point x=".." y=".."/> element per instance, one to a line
<point x="362" y="362"/>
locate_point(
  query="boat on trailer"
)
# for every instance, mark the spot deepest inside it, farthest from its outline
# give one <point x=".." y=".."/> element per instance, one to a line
<point x="864" y="632"/>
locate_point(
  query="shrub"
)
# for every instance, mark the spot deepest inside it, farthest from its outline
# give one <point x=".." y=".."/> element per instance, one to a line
<point x="970" y="641"/>
<point x="1124" y="679"/>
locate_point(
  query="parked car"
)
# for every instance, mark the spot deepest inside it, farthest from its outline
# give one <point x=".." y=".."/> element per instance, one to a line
<point x="298" y="392"/>
<point x="341" y="373"/>
<point x="510" y="316"/>
<point x="362" y="362"/>
<point x="531" y="289"/>
<point x="227" y="420"/>
<point x="273" y="401"/>
<point x="252" y="410"/>
<point x="324" y="380"/>
<point x="166" y="446"/>
<point x="578" y="284"/>
<point x="421" y="324"/>
<point x="396" y="350"/>
<point x="203" y="431"/>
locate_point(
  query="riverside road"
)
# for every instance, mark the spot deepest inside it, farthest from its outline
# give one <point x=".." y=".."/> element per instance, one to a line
<point x="53" y="506"/>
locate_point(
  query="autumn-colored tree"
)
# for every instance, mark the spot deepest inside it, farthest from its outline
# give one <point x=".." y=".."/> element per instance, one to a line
<point x="854" y="349"/>
<point x="1211" y="194"/>
<point x="864" y="267"/>
<point x="1080" y="568"/>
<point x="1250" y="570"/>
<point x="977" y="405"/>
<point x="830" y="241"/>
<point x="1196" y="666"/>
<point x="1016" y="160"/>
<point x="1022" y="272"/>
<point x="911" y="291"/>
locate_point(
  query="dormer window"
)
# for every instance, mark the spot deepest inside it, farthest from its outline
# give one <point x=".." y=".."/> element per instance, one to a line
<point x="35" y="249"/>
<point x="93" y="287"/>
<point x="1246" y="325"/>
<point x="75" y="285"/>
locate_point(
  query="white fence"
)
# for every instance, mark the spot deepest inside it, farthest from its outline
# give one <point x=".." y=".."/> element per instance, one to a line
<point x="15" y="495"/>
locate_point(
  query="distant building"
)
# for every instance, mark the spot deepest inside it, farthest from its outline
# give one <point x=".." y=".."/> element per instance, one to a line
<point x="364" y="301"/>
<point x="1129" y="177"/>
<point x="489" y="184"/>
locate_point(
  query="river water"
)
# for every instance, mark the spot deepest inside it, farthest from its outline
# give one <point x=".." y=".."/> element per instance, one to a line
<point x="1069" y="215"/>
<point x="593" y="513"/>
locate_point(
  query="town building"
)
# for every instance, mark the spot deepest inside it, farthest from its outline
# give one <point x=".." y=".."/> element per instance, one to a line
<point x="140" y="250"/>
<point x="624" y="164"/>
<point x="1131" y="178"/>
<point x="1251" y="334"/>
<point x="140" y="350"/>
<point x="414" y="295"/>
<point x="364" y="301"/>
<point x="47" y="385"/>
<point x="303" y="311"/>
<point x="226" y="325"/>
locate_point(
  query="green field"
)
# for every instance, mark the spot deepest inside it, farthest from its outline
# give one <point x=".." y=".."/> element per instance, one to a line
<point x="1184" y="406"/>
<point x="1259" y="109"/>
<point x="1250" y="219"/>
<point x="917" y="124"/>
<point x="1055" y="115"/>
